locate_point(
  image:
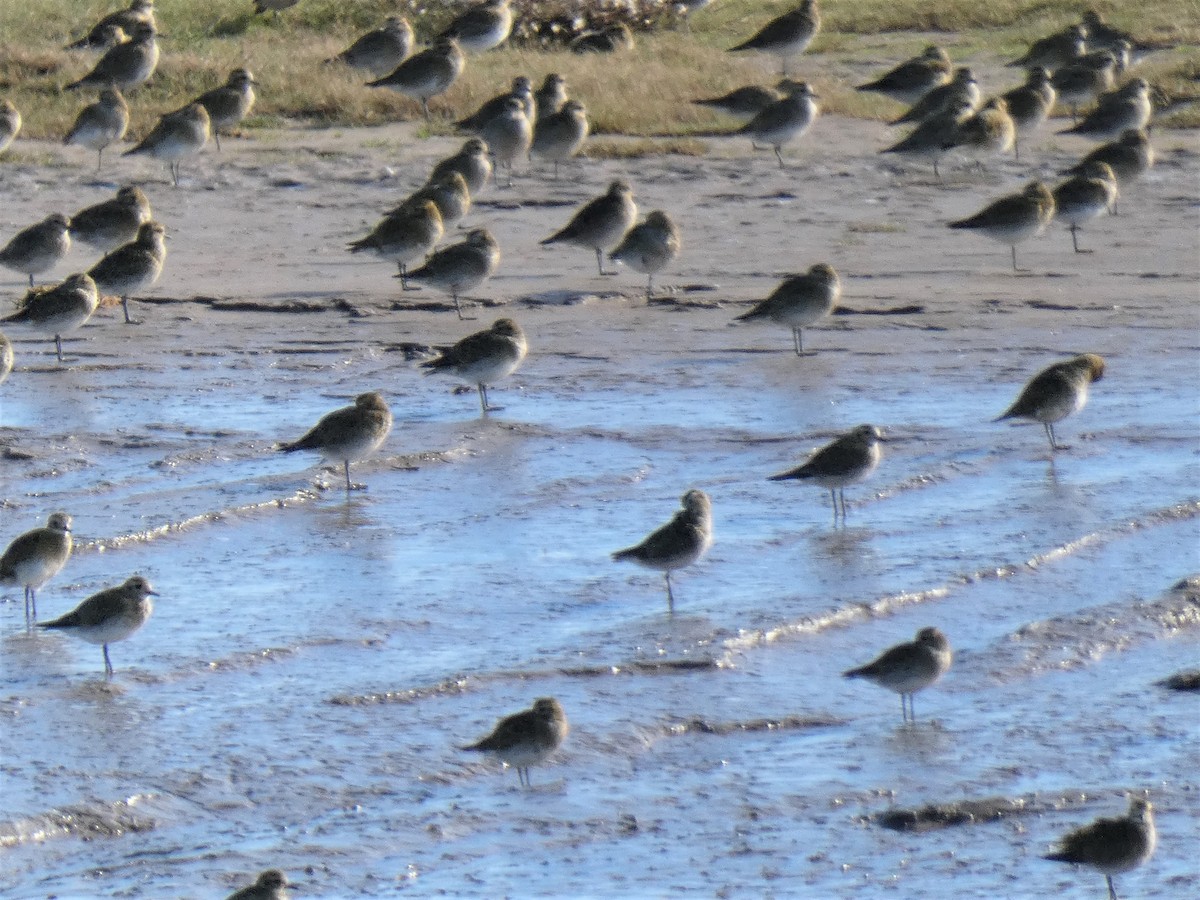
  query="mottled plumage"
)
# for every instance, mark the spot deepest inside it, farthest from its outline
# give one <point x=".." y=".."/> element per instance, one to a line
<point x="526" y="738"/>
<point x="1112" y="846"/>
<point x="484" y="357"/>
<point x="348" y="434"/>
<point x="846" y="461"/>
<point x="679" y="543"/>
<point x="909" y="667"/>
<point x="1056" y="392"/>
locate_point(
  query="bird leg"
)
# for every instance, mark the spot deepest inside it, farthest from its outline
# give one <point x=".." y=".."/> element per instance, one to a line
<point x="108" y="668"/>
<point x="670" y="596"/>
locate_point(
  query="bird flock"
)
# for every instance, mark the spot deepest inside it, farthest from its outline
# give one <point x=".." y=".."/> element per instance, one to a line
<point x="1077" y="68"/>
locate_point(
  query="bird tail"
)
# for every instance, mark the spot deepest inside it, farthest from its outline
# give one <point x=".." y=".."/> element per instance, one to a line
<point x="790" y="475"/>
<point x="627" y="553"/>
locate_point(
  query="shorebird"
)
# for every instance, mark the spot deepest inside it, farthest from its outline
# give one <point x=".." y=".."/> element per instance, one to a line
<point x="846" y="461"/>
<point x="679" y="543"/>
<point x="610" y="39"/>
<point x="1084" y="197"/>
<point x="404" y="236"/>
<point x="10" y="124"/>
<point x="1056" y="392"/>
<point x="482" y="27"/>
<point x="961" y="89"/>
<point x="914" y="78"/>
<point x="133" y="266"/>
<point x="379" y="51"/>
<point x="1112" y="846"/>
<point x="559" y="136"/>
<point x="551" y="96"/>
<point x="522" y="90"/>
<point x="600" y="224"/>
<point x="1102" y="36"/>
<point x="484" y="357"/>
<point x="909" y="667"/>
<point x="35" y="557"/>
<point x="800" y="301"/>
<point x="427" y="74"/>
<point x="348" y="434"/>
<point x="509" y="135"/>
<point x="463" y="266"/>
<point x="7" y="358"/>
<point x="988" y="132"/>
<point x="649" y="247"/>
<point x="59" y="309"/>
<point x="123" y="20"/>
<point x="928" y="140"/>
<point x="742" y="103"/>
<point x="527" y="738"/>
<point x="109" y="616"/>
<point x="113" y="222"/>
<point x="229" y="104"/>
<point x="271" y="885"/>
<point x="1014" y="218"/>
<point x="1129" y="157"/>
<point x="1123" y="109"/>
<point x="1030" y="104"/>
<point x="39" y="247"/>
<point x="1055" y="51"/>
<point x="1084" y="80"/>
<point x="126" y="65"/>
<point x="471" y="162"/>
<point x="176" y="135"/>
<point x="787" y="35"/>
<point x="449" y="194"/>
<point x="784" y="120"/>
<point x="100" y="124"/>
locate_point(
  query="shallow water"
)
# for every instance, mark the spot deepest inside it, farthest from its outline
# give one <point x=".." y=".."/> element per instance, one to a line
<point x="315" y="658"/>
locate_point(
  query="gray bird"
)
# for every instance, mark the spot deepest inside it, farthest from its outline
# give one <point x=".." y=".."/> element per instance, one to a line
<point x="846" y="461"/>
<point x="484" y="357"/>
<point x="909" y="667"/>
<point x="379" y="51"/>
<point x="111" y="615"/>
<point x="348" y="434"/>
<point x="600" y="224"/>
<point x="35" y="557"/>
<point x="678" y="544"/>
<point x="787" y="35"/>
<point x="228" y="104"/>
<point x="1056" y="392"/>
<point x="1112" y="846"/>
<point x="526" y="738"/>
<point x="59" y="309"/>
<point x="39" y="247"/>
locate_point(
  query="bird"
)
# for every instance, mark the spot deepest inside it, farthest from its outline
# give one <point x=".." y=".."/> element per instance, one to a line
<point x="427" y="74"/>
<point x="526" y="738"/>
<point x="10" y="124"/>
<point x="787" y="35"/>
<point x="404" y="236"/>
<point x="928" y="140"/>
<point x="7" y="358"/>
<point x="1054" y="51"/>
<point x="381" y="50"/>
<point x="521" y="88"/>
<point x="482" y="27"/>
<point x="1117" y="111"/>
<point x="270" y="885"/>
<point x="176" y="135"/>
<point x="509" y="135"/>
<point x="1014" y="218"/>
<point x="559" y="136"/>
<point x="449" y="194"/>
<point x="484" y="357"/>
<point x="784" y="120"/>
<point x="59" y="309"/>
<point x="471" y="162"/>
<point x="1082" y="81"/>
<point x="649" y="247"/>
<point x="1085" y="196"/>
<point x="348" y="434"/>
<point x="126" y="65"/>
<point x="742" y="103"/>
<point x="1030" y="104"/>
<point x="961" y="88"/>
<point x="133" y="266"/>
<point x="35" y="557"/>
<point x="1056" y="392"/>
<point x="110" y="615"/>
<point x="914" y="78"/>
<point x="988" y="132"/>
<point x="551" y="96"/>
<point x="1112" y="846"/>
<point x="909" y="667"/>
<point x="463" y="266"/>
<point x="113" y="222"/>
<point x="610" y="39"/>
<point x="600" y="223"/>
<point x="228" y="104"/>
<point x="1130" y="156"/>
<point x="123" y="20"/>
<point x="1102" y="36"/>
<point x="678" y="544"/>
<point x="800" y="301"/>
<point x="100" y="124"/>
<point x="39" y="247"/>
<point x="843" y="462"/>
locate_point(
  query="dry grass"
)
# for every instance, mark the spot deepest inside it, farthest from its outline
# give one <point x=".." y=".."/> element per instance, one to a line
<point x="203" y="41"/>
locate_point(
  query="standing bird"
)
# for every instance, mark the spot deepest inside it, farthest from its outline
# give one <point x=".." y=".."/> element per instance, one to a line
<point x="743" y="103"/>
<point x="229" y="104"/>
<point x="449" y="194"/>
<point x="1130" y="156"/>
<point x="1082" y="81"/>
<point x="109" y="616"/>
<point x="928" y="140"/>
<point x="126" y="65"/>
<point x="649" y="247"/>
<point x="1013" y="218"/>
<point x="784" y="120"/>
<point x="788" y="35"/>
<point x="909" y="667"/>
<point x="551" y="96"/>
<point x="139" y="12"/>
<point x="133" y="266"/>
<point x="800" y="301"/>
<point x="404" y="236"/>
<point x="471" y="162"/>
<point x="176" y="135"/>
<point x="526" y="738"/>
<point x="991" y="131"/>
<point x="1055" y="51"/>
<point x="1112" y="846"/>
<point x="559" y="136"/>
<point x="1128" y="107"/>
<point x="1084" y="197"/>
<point x="848" y="460"/>
<point x="100" y="124"/>
<point x="39" y="247"/>
<point x="379" y="51"/>
<point x="509" y="135"/>
<point x="1030" y="104"/>
<point x="463" y="266"/>
<point x="679" y="543"/>
<point x="10" y="124"/>
<point x="962" y="88"/>
<point x="59" y="309"/>
<point x="348" y="434"/>
<point x="484" y="357"/>
<point x="1056" y="392"/>
<point x="914" y="78"/>
<point x="271" y="885"/>
<point x="521" y="88"/>
<point x="113" y="222"/>
<point x="482" y="27"/>
<point x="600" y="224"/>
<point x="35" y="557"/>
<point x="427" y="74"/>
